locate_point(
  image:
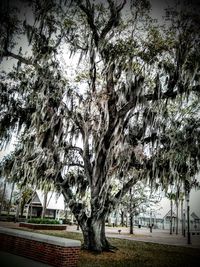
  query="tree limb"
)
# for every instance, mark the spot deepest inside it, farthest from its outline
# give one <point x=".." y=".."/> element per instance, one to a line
<point x="76" y="118"/>
<point x="76" y="165"/>
<point x="89" y="12"/>
<point x="125" y="189"/>
<point x="114" y="17"/>
<point x="21" y="59"/>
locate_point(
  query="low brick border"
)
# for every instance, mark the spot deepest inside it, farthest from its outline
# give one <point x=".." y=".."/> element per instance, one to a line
<point x="55" y="251"/>
<point x="38" y="226"/>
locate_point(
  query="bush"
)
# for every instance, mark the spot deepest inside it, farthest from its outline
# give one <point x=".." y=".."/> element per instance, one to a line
<point x="43" y="221"/>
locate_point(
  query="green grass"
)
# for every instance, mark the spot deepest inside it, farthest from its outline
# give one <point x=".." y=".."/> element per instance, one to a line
<point x="135" y="254"/>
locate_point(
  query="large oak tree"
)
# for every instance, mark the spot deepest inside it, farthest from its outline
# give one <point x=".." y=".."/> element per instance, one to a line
<point x="97" y="130"/>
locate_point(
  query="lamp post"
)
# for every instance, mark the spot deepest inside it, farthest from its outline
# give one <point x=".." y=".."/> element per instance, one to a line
<point x="188" y="185"/>
<point x="188" y="217"/>
<point x="150" y="222"/>
<point x="184" y="222"/>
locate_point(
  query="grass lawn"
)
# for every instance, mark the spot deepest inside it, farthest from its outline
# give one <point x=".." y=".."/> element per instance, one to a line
<point x="135" y="254"/>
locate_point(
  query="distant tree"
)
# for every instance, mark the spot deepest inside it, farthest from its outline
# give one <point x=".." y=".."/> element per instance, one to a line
<point x="171" y="197"/>
<point x="139" y="198"/>
<point x="3" y="195"/>
<point x="11" y="197"/>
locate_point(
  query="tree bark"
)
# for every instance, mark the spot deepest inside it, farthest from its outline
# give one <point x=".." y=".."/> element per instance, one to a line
<point x="18" y="206"/>
<point x="122" y="218"/>
<point x="44" y="205"/>
<point x="11" y="196"/>
<point x="182" y="218"/>
<point x="131" y="223"/>
<point x="94" y="234"/>
<point x="3" y="196"/>
<point x="177" y="216"/>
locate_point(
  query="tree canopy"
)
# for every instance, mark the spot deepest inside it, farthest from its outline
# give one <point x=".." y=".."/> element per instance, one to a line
<point x="100" y="96"/>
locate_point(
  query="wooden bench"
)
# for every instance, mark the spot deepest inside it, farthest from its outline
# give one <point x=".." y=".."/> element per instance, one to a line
<point x="55" y="251"/>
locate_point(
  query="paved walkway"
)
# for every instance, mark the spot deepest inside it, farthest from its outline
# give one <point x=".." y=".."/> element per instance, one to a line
<point x="144" y="235"/>
<point x="11" y="260"/>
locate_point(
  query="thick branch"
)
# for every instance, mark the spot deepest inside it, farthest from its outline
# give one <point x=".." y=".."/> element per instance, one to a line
<point x="76" y="118"/>
<point x="114" y="17"/>
<point x="76" y="208"/>
<point x="125" y="189"/>
<point x="86" y="158"/>
<point x="76" y="165"/>
<point x="21" y="59"/>
<point x="63" y="184"/>
<point x="89" y="12"/>
<point x="149" y="97"/>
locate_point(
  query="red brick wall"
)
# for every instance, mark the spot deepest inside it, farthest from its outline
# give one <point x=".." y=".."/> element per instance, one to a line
<point x="47" y="253"/>
<point x="43" y="226"/>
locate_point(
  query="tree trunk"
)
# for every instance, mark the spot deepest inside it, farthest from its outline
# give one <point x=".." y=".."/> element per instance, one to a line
<point x="177" y="217"/>
<point x="29" y="206"/>
<point x="131" y="223"/>
<point x="31" y="212"/>
<point x="44" y="205"/>
<point x="182" y="218"/>
<point x="3" y="196"/>
<point x="22" y="209"/>
<point x="27" y="213"/>
<point x="94" y="234"/>
<point x="171" y="216"/>
<point x="18" y="206"/>
<point x="122" y="218"/>
<point x="11" y="196"/>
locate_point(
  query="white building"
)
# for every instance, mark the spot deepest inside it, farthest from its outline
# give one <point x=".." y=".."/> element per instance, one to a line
<point x="55" y="205"/>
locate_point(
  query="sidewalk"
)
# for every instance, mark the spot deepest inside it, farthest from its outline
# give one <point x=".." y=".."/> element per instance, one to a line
<point x="144" y="235"/>
<point x="11" y="260"/>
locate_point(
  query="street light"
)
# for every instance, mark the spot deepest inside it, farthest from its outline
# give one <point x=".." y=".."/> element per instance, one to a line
<point x="183" y="222"/>
<point x="150" y="222"/>
<point x="188" y="217"/>
<point x="188" y="186"/>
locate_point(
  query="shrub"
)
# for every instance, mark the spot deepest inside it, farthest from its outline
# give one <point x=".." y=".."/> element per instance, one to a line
<point x="43" y="221"/>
